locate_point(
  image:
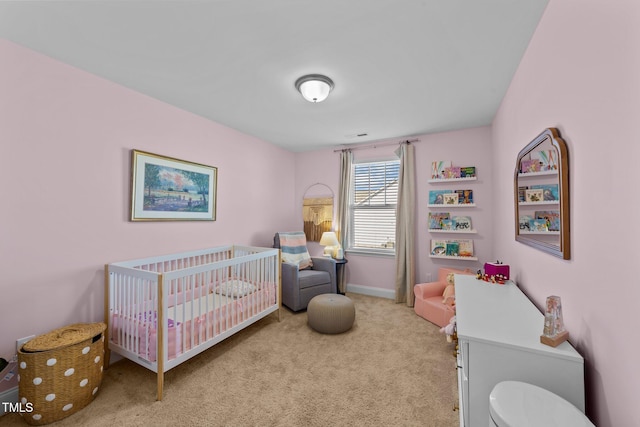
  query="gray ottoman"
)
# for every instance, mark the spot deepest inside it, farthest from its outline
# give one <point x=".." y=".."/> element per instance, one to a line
<point x="331" y="313"/>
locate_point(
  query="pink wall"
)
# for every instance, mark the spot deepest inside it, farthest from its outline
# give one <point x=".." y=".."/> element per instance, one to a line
<point x="66" y="139"/>
<point x="66" y="133"/>
<point x="581" y="75"/>
<point x="469" y="147"/>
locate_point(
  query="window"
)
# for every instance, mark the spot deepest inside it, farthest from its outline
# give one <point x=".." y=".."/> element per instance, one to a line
<point x="373" y="207"/>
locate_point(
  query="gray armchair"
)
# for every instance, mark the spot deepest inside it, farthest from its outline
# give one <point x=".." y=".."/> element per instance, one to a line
<point x="299" y="286"/>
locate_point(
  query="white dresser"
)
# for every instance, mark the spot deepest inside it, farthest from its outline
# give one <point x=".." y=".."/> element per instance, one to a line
<point x="499" y="339"/>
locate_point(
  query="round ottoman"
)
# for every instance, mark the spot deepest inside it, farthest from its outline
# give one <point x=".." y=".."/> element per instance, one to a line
<point x="331" y="313"/>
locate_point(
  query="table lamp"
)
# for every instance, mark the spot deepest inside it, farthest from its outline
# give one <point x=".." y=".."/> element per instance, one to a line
<point x="330" y="242"/>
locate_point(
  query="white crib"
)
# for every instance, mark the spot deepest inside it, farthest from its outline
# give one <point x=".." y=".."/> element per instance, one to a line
<point x="161" y="311"/>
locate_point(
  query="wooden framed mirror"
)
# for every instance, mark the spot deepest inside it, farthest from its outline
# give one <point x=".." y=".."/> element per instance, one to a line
<point x="541" y="187"/>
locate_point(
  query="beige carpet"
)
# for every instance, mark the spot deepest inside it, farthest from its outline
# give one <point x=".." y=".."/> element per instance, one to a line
<point x="392" y="368"/>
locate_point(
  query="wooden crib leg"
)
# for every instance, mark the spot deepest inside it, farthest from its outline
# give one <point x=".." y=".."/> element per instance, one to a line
<point x="160" y="385"/>
<point x="160" y="340"/>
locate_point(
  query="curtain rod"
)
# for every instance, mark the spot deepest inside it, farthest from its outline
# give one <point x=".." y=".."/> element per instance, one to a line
<point x="374" y="145"/>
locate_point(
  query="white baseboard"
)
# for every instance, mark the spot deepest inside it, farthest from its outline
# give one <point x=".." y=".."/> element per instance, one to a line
<point x="368" y="290"/>
<point x="10" y="395"/>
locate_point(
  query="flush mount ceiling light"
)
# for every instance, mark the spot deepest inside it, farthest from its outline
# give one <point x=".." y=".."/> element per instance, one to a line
<point x="314" y="87"/>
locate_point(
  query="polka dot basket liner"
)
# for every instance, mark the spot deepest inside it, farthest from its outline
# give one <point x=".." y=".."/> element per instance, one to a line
<point x="60" y="372"/>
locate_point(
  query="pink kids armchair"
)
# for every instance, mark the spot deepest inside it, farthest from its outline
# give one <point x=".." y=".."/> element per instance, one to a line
<point x="434" y="300"/>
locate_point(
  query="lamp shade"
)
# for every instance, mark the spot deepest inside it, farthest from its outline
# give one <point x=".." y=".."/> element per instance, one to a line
<point x="314" y="87"/>
<point x="329" y="238"/>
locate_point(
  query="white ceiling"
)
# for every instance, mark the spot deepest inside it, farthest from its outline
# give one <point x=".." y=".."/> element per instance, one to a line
<point x="400" y="67"/>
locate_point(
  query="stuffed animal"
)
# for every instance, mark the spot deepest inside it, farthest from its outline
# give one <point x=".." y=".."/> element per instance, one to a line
<point x="450" y="329"/>
<point x="449" y="294"/>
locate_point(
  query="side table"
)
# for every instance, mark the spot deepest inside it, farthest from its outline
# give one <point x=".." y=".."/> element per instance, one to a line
<point x="339" y="264"/>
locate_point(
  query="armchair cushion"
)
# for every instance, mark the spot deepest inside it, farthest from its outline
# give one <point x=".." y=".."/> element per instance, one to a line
<point x="307" y="278"/>
<point x="294" y="249"/>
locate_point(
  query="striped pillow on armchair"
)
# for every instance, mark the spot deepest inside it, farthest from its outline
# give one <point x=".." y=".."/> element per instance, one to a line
<point x="294" y="249"/>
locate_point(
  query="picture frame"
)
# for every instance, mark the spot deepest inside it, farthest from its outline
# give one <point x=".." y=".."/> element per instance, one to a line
<point x="169" y="189"/>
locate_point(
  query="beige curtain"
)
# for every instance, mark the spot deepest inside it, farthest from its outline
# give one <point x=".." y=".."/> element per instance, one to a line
<point x="342" y="217"/>
<point x="405" y="226"/>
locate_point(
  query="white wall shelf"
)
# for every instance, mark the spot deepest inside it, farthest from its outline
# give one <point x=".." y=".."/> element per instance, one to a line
<point x="537" y="174"/>
<point x="461" y="258"/>
<point x="437" y="230"/>
<point x="441" y="180"/>
<point x="547" y="202"/>
<point x="459" y="205"/>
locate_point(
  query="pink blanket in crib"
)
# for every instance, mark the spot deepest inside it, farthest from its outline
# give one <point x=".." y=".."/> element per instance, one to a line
<point x="138" y="333"/>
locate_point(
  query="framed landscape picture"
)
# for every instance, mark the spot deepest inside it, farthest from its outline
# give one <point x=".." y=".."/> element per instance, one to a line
<point x="168" y="189"/>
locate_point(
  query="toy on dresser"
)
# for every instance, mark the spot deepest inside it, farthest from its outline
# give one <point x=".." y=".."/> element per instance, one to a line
<point x="494" y="272"/>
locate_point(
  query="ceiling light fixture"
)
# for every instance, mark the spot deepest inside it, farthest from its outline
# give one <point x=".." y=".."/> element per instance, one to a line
<point x="314" y="87"/>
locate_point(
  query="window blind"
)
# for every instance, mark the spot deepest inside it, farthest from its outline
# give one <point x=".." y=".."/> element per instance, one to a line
<point x="373" y="205"/>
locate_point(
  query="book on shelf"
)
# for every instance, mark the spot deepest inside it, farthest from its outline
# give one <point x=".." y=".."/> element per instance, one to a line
<point x="538" y="225"/>
<point x="436" y="218"/>
<point x="468" y="172"/>
<point x="529" y="165"/>
<point x="463" y="223"/>
<point x="547" y="159"/>
<point x="451" y="172"/>
<point x="522" y="193"/>
<point x="549" y="191"/>
<point x="438" y="247"/>
<point x="436" y="197"/>
<point x="524" y="222"/>
<point x="438" y="167"/>
<point x="465" y="247"/>
<point x="533" y="195"/>
<point x="450" y="198"/>
<point x="552" y="219"/>
<point x="452" y="248"/>
<point x="449" y="224"/>
<point x="465" y="197"/>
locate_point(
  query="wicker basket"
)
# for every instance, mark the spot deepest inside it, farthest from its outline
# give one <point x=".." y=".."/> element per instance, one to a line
<point x="60" y="372"/>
